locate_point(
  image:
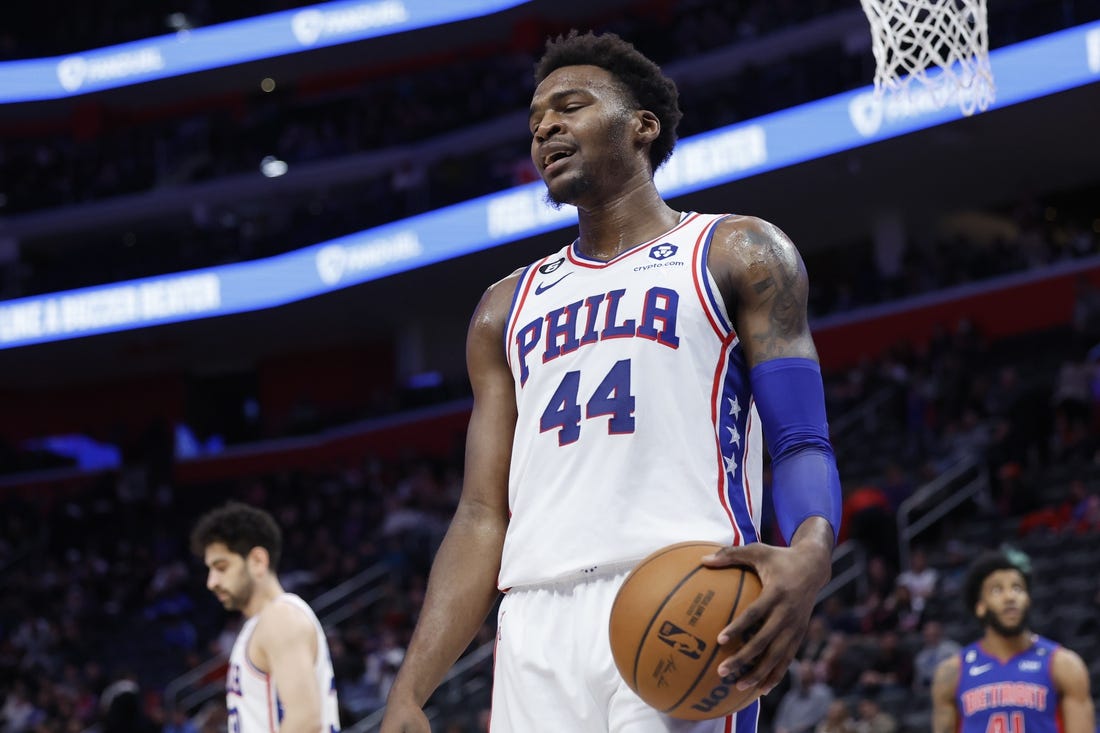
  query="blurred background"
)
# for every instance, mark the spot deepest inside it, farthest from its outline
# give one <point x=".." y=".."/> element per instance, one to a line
<point x="240" y="244"/>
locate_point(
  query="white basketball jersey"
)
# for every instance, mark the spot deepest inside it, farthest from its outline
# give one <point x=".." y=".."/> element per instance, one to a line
<point x="252" y="701"/>
<point x="636" y="423"/>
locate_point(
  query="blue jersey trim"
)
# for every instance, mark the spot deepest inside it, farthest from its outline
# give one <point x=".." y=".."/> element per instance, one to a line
<point x="704" y="256"/>
<point x="512" y="307"/>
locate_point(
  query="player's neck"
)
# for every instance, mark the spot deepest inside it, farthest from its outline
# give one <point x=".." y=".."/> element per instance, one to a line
<point x="1006" y="647"/>
<point x="265" y="593"/>
<point x="607" y="229"/>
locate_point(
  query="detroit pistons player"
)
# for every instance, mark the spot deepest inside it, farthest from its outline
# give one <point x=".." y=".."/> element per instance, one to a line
<point x="280" y="674"/>
<point x="1011" y="680"/>
<point x="622" y="388"/>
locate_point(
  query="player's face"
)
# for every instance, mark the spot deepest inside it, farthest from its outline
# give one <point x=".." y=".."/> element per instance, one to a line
<point x="227" y="576"/>
<point x="578" y="133"/>
<point x="1004" y="602"/>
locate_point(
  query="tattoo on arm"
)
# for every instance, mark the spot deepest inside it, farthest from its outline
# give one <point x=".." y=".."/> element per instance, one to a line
<point x="782" y="298"/>
<point x="763" y="285"/>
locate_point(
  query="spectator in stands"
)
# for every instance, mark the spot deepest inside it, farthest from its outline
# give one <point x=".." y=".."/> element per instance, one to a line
<point x="953" y="567"/>
<point x="18" y="713"/>
<point x="965" y="437"/>
<point x="909" y="617"/>
<point x="1069" y="515"/>
<point x="889" y="668"/>
<point x="1072" y="398"/>
<point x="843" y="662"/>
<point x="382" y="664"/>
<point x="919" y="578"/>
<point x="1022" y="421"/>
<point x="934" y="649"/>
<point x="873" y="719"/>
<point x="816" y="641"/>
<point x="838" y="719"/>
<point x="878" y="613"/>
<point x="1086" y="516"/>
<point x="875" y="613"/>
<point x="805" y="704"/>
<point x="839" y="616"/>
<point x="1073" y="402"/>
<point x="896" y="486"/>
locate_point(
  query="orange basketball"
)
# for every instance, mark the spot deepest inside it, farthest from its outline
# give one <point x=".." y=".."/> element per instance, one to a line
<point x="664" y="631"/>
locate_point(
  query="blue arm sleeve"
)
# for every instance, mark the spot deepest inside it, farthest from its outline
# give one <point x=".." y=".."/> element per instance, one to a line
<point x="790" y="398"/>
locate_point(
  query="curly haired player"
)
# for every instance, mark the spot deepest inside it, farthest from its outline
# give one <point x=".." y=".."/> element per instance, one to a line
<point x="623" y="387"/>
<point x="1011" y="680"/>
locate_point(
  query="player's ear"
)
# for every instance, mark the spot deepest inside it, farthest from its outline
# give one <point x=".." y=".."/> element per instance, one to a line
<point x="258" y="559"/>
<point x="647" y="127"/>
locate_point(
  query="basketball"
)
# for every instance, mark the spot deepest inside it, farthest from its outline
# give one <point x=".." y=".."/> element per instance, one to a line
<point x="664" y="629"/>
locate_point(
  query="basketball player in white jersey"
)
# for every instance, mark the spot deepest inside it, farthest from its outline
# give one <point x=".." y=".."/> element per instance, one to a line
<point x="622" y="388"/>
<point x="280" y="674"/>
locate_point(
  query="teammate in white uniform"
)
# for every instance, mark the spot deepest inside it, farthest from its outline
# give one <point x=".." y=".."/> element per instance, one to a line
<point x="280" y="673"/>
<point x="622" y="388"/>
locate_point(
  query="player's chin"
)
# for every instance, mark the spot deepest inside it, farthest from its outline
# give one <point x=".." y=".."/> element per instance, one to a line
<point x="559" y="192"/>
<point x="1011" y="624"/>
<point x="567" y="187"/>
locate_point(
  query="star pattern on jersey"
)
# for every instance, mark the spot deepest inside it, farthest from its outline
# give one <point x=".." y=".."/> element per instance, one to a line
<point x="734" y="443"/>
<point x="734" y="439"/>
<point x="735" y="407"/>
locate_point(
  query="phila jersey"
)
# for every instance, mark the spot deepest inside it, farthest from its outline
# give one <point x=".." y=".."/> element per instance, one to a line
<point x="252" y="701"/>
<point x="1014" y="696"/>
<point x="636" y="425"/>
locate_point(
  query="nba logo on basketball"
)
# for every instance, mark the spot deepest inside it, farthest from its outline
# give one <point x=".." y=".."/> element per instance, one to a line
<point x="681" y="641"/>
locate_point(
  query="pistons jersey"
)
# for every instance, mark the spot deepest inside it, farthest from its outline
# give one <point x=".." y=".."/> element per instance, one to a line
<point x="636" y="424"/>
<point x="1012" y="696"/>
<point x="252" y="702"/>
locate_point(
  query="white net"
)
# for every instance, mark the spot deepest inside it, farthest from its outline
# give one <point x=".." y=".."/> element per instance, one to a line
<point x="942" y="45"/>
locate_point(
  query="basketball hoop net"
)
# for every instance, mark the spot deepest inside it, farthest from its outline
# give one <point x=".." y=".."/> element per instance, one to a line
<point x="943" y="45"/>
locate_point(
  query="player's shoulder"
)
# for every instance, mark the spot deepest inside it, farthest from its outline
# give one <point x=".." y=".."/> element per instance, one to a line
<point x="947" y="671"/>
<point x="750" y="252"/>
<point x="496" y="301"/>
<point x="746" y="242"/>
<point x="283" y="616"/>
<point x="508" y="283"/>
<point x="748" y="234"/>
<point x="1064" y="660"/>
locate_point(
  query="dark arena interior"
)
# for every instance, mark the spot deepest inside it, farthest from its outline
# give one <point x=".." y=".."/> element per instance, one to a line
<point x="243" y="266"/>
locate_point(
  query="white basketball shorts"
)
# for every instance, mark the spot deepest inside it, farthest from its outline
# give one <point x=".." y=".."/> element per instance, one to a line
<point x="554" y="671"/>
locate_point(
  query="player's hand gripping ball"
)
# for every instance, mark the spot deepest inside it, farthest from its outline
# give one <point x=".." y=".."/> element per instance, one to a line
<point x="664" y="631"/>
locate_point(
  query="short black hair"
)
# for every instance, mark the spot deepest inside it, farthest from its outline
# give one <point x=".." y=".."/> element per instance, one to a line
<point x="641" y="78"/>
<point x="987" y="564"/>
<point x="240" y="527"/>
